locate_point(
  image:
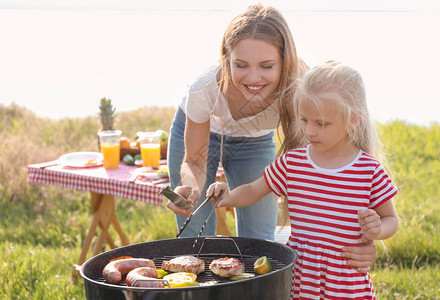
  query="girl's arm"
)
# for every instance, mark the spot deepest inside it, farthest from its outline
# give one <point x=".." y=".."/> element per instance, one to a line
<point x="380" y="223"/>
<point x="241" y="196"/>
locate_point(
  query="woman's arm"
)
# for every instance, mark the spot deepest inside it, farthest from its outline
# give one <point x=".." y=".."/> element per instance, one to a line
<point x="380" y="223"/>
<point x="193" y="169"/>
<point x="241" y="196"/>
<point x="361" y="258"/>
<point x="194" y="166"/>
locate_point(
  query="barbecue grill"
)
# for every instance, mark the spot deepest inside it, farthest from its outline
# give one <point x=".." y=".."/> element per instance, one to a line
<point x="273" y="285"/>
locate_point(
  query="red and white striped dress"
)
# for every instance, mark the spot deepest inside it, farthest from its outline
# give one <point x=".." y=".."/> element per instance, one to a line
<point x="323" y="206"/>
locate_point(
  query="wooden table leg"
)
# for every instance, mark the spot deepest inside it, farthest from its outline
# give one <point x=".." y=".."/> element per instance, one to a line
<point x="222" y="228"/>
<point x="103" y="210"/>
<point x="118" y="229"/>
<point x="87" y="242"/>
<point x="107" y="209"/>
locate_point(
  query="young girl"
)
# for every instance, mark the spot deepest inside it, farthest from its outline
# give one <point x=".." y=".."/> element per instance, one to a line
<point x="338" y="194"/>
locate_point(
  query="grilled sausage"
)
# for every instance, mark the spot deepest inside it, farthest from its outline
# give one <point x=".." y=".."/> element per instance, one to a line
<point x="142" y="277"/>
<point x="114" y="270"/>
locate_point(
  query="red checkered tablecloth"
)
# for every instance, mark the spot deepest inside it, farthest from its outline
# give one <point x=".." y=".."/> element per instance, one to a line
<point x="99" y="180"/>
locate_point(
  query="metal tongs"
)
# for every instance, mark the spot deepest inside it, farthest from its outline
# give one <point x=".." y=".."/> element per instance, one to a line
<point x="194" y="212"/>
<point x="181" y="202"/>
<point x="207" y="219"/>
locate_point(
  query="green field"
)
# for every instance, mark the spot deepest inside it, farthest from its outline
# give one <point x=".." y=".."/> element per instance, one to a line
<point x="42" y="228"/>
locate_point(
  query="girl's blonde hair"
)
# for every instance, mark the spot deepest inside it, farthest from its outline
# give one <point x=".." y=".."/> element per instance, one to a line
<point x="343" y="85"/>
<point x="267" y="24"/>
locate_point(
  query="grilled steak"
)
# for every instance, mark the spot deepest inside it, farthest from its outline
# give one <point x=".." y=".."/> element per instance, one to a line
<point x="227" y="267"/>
<point x="189" y="264"/>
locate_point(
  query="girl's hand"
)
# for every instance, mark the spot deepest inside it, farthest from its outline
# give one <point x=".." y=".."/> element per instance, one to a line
<point x="370" y="224"/>
<point x="190" y="194"/>
<point x="361" y="258"/>
<point x="214" y="189"/>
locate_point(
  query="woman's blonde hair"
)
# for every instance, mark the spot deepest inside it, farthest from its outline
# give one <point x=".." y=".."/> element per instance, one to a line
<point x="267" y="24"/>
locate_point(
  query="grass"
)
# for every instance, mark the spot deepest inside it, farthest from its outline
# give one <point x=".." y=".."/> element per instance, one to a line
<point x="42" y="228"/>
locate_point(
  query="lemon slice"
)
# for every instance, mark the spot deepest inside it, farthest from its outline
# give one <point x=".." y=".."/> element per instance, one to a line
<point x="262" y="265"/>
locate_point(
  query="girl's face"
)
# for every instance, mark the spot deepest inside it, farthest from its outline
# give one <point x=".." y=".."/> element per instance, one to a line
<point x="256" y="68"/>
<point x="323" y="126"/>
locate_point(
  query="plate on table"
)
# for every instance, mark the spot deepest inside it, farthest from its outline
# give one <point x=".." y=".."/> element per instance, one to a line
<point x="81" y="159"/>
<point x="162" y="162"/>
<point x="149" y="173"/>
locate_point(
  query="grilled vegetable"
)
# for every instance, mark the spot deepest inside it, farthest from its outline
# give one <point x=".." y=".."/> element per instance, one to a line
<point x="181" y="279"/>
<point x="242" y="276"/>
<point x="161" y="273"/>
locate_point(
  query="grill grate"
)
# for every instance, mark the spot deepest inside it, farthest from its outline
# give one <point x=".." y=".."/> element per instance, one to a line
<point x="207" y="275"/>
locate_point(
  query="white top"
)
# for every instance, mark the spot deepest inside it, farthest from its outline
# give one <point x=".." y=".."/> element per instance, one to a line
<point x="205" y="101"/>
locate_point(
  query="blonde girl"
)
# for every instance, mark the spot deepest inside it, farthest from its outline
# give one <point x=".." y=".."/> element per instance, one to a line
<point x="338" y="194"/>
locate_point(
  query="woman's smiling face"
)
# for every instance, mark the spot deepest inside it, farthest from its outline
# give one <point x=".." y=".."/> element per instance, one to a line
<point x="256" y="67"/>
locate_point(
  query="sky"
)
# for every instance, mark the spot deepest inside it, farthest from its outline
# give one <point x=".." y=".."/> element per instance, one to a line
<point x="58" y="58"/>
<point x="225" y="4"/>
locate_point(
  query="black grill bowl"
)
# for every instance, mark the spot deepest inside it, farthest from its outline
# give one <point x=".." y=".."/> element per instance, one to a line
<point x="274" y="285"/>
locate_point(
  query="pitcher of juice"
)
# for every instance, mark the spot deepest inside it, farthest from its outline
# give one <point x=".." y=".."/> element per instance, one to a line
<point x="150" y="148"/>
<point x="109" y="141"/>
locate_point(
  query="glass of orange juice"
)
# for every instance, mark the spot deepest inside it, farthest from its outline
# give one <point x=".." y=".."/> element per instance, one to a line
<point x="109" y="141"/>
<point x="150" y="148"/>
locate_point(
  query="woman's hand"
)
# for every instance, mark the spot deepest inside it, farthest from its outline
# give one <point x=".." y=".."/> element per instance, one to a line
<point x="190" y="194"/>
<point x="361" y="258"/>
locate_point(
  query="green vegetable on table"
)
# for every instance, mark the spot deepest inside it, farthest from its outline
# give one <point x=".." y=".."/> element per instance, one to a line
<point x="163" y="170"/>
<point x="128" y="159"/>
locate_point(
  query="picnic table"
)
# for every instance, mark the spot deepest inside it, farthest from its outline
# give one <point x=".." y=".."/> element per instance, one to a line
<point x="129" y="182"/>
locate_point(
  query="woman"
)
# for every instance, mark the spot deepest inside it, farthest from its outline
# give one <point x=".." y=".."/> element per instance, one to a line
<point x="229" y="116"/>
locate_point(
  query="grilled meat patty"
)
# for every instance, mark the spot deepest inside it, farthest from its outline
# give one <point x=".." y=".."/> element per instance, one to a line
<point x="227" y="267"/>
<point x="187" y="263"/>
